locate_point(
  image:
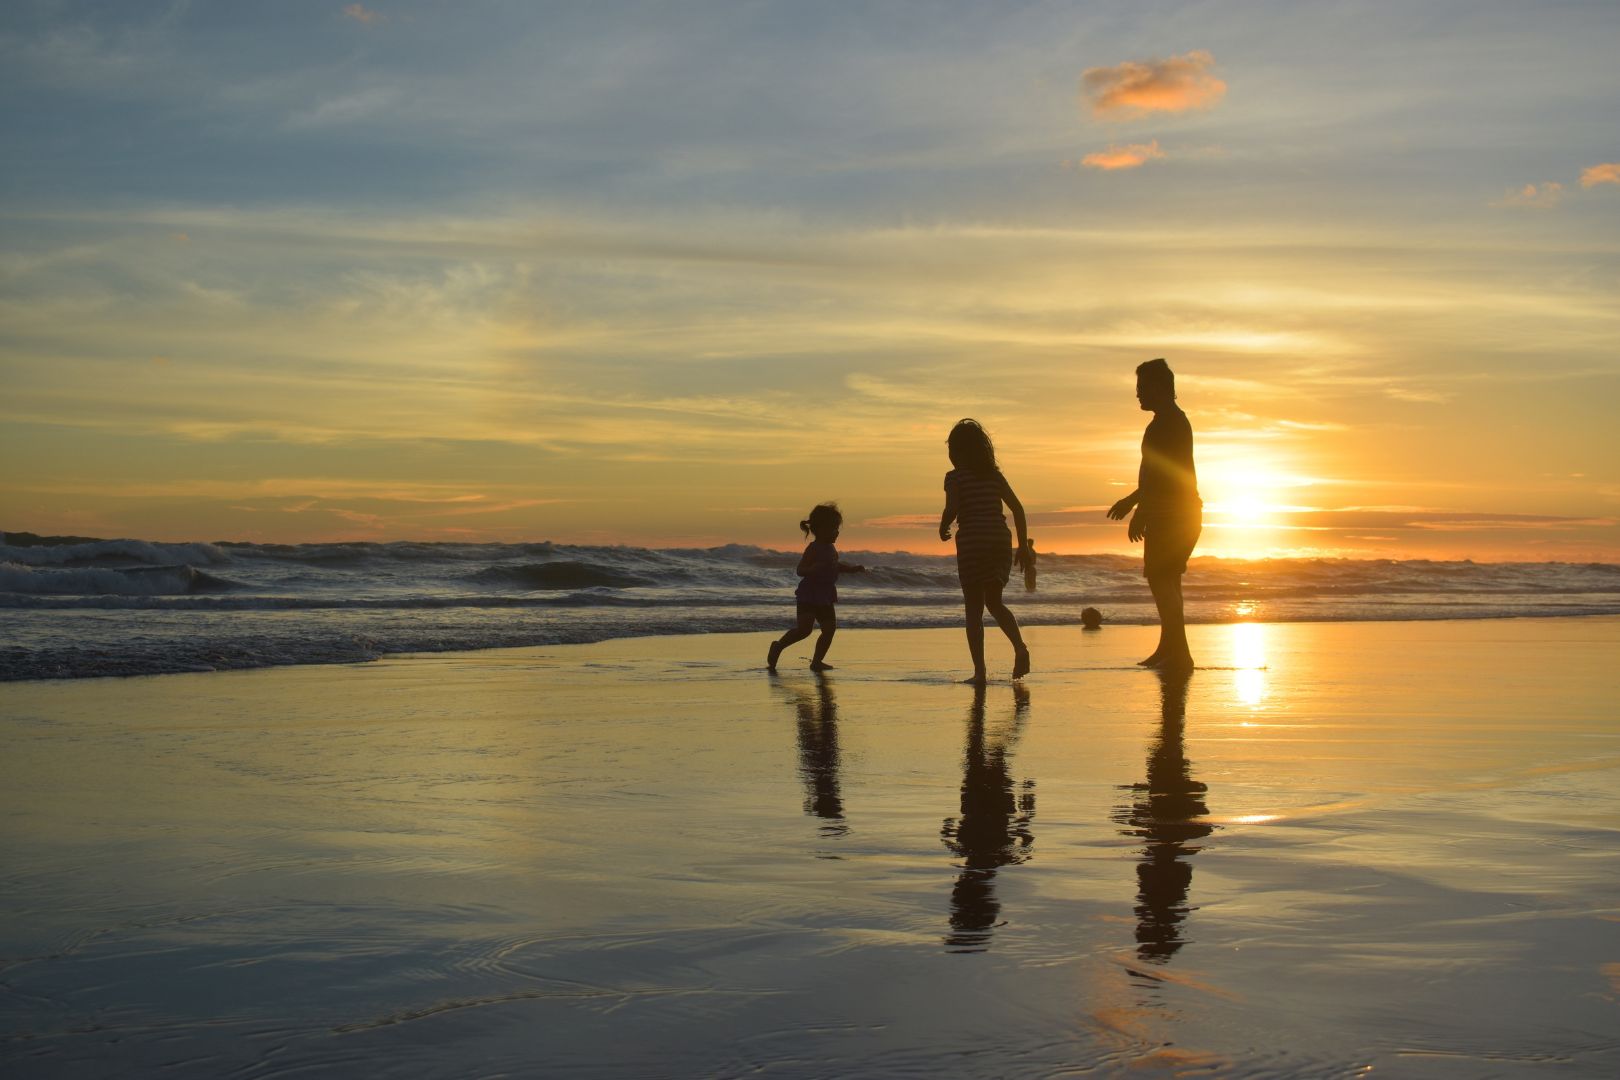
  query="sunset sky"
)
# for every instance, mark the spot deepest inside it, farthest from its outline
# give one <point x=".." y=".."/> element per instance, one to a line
<point x="669" y="274"/>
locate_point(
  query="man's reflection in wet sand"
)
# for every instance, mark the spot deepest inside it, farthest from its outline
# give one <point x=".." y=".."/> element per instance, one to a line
<point x="993" y="829"/>
<point x="1164" y="812"/>
<point x="818" y="755"/>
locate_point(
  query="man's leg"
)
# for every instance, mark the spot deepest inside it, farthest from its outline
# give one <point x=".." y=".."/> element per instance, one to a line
<point x="1173" y="651"/>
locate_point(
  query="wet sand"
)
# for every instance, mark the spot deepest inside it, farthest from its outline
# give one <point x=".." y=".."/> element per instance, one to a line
<point x="1338" y="847"/>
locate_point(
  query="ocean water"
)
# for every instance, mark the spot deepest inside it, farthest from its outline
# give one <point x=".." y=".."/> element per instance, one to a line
<point x="129" y="607"/>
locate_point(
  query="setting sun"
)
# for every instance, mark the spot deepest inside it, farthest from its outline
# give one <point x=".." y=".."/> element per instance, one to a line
<point x="1248" y="506"/>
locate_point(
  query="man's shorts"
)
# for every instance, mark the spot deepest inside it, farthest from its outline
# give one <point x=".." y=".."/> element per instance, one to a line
<point x="1169" y="541"/>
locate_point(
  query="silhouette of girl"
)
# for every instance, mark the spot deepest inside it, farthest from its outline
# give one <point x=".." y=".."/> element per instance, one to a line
<point x="974" y="492"/>
<point x="993" y="829"/>
<point x="818" y="586"/>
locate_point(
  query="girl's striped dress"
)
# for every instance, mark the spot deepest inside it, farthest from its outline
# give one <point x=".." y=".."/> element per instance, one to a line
<point x="983" y="541"/>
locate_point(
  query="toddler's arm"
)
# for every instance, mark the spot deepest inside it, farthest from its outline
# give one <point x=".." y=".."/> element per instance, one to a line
<point x="808" y="561"/>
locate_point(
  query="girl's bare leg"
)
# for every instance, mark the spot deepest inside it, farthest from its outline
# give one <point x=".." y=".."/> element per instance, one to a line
<point x="973" y="603"/>
<point x="801" y="630"/>
<point x="1009" y="626"/>
<point x="829" y="627"/>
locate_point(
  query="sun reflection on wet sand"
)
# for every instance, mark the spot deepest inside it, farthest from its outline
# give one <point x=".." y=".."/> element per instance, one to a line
<point x="1249" y="658"/>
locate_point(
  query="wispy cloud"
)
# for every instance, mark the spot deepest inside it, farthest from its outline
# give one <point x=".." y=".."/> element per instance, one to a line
<point x="1395" y="518"/>
<point x="1542" y="196"/>
<point x="1131" y="156"/>
<point x="1606" y="173"/>
<point x="362" y="14"/>
<point x="1139" y="87"/>
<point x="345" y="109"/>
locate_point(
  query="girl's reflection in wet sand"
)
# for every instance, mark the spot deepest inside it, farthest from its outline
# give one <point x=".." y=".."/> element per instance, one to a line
<point x="818" y="755"/>
<point x="993" y="828"/>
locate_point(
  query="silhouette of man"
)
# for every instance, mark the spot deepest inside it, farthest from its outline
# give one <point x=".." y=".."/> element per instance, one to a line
<point x="1169" y="514"/>
<point x="1167" y="811"/>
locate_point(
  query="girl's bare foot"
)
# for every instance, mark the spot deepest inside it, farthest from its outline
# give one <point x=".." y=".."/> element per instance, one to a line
<point x="1020" y="663"/>
<point x="819" y="665"/>
<point x="772" y="657"/>
<point x="1153" y="661"/>
<point x="979" y="679"/>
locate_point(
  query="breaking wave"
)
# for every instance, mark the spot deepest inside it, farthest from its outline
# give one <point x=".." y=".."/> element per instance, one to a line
<point x="77" y="606"/>
<point x="100" y="581"/>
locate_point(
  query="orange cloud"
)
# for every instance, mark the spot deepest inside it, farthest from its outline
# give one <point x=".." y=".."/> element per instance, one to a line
<point x="1138" y="87"/>
<point x="1123" y="157"/>
<point x="1544" y="196"/>
<point x="1606" y="173"/>
<point x="362" y="14"/>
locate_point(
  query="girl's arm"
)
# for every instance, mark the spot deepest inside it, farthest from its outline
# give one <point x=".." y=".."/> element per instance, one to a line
<point x="1019" y="522"/>
<point x="806" y="563"/>
<point x="948" y="515"/>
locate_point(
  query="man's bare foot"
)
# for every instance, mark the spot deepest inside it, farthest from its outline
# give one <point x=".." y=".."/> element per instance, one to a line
<point x="774" y="655"/>
<point x="979" y="679"/>
<point x="1153" y="661"/>
<point x="1020" y="663"/>
<point x="819" y="665"/>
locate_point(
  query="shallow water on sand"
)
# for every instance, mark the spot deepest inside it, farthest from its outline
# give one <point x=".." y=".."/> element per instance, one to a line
<point x="1336" y="848"/>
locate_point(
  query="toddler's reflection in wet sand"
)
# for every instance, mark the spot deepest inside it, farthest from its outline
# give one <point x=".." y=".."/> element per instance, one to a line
<point x="1164" y="812"/>
<point x="993" y="829"/>
<point x="818" y="754"/>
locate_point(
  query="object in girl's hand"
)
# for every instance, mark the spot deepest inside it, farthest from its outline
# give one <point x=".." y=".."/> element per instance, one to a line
<point x="1091" y="618"/>
<point x="1029" y="565"/>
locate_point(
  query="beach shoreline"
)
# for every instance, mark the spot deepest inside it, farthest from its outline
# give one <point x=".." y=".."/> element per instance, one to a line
<point x="847" y="628"/>
<point x="1339" y="846"/>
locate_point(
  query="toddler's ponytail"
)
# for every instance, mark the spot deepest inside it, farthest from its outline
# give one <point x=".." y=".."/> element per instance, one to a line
<point x="825" y="514"/>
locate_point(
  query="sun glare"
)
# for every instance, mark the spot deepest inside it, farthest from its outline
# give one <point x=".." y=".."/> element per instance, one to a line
<point x="1246" y="506"/>
<point x="1249" y="658"/>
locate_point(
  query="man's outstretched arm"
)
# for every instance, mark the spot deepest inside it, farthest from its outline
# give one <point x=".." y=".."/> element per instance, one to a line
<point x="1118" y="511"/>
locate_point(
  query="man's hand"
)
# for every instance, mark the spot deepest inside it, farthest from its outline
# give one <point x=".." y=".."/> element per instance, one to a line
<point x="1135" y="529"/>
<point x="1118" y="511"/>
<point x="944" y="532"/>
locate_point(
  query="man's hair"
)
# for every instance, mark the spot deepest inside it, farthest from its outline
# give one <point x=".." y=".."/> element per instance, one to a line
<point x="1158" y="373"/>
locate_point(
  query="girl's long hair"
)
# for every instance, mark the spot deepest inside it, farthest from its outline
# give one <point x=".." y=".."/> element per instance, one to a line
<point x="970" y="447"/>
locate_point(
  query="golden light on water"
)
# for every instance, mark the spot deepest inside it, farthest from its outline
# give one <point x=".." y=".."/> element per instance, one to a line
<point x="1249" y="658"/>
